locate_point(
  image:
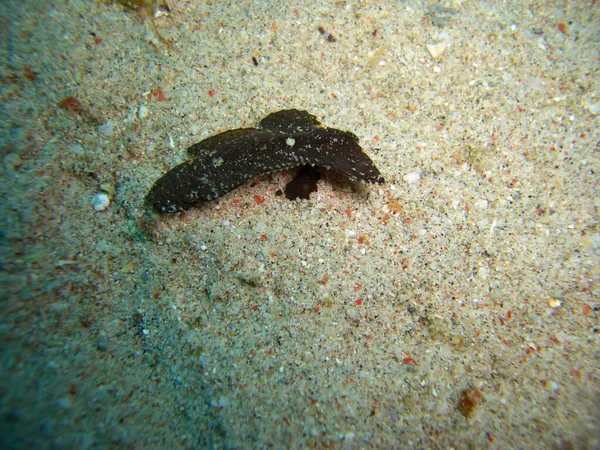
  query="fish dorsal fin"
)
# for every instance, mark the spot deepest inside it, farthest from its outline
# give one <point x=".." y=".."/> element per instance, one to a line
<point x="213" y="143"/>
<point x="290" y="121"/>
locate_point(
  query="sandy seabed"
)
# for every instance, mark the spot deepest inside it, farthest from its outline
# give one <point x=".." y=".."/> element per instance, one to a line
<point x="454" y="306"/>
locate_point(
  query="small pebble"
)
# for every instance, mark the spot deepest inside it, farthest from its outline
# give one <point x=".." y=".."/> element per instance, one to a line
<point x="143" y="112"/>
<point x="554" y="303"/>
<point x="436" y="50"/>
<point x="100" y="202"/>
<point x="102" y="342"/>
<point x="65" y="402"/>
<point x="412" y="177"/>
<point x="106" y="129"/>
<point x="594" y="108"/>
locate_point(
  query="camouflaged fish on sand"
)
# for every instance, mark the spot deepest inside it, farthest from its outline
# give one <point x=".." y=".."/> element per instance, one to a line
<point x="282" y="140"/>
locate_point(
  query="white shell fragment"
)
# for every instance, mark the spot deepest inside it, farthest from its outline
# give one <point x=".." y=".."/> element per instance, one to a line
<point x="100" y="202"/>
<point x="143" y="112"/>
<point x="553" y="303"/>
<point x="412" y="177"/>
<point x="436" y="50"/>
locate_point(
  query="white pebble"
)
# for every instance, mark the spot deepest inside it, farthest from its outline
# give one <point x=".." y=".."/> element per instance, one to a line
<point x="412" y="177"/>
<point x="100" y="202"/>
<point x="143" y="112"/>
<point x="436" y="50"/>
<point x="483" y="273"/>
<point x="594" y="108"/>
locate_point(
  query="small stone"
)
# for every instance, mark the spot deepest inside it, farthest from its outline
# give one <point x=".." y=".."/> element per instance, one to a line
<point x="594" y="108"/>
<point x="106" y="129"/>
<point x="412" y="177"/>
<point x="100" y="202"/>
<point x="436" y="50"/>
<point x="78" y="53"/>
<point x="483" y="273"/>
<point x="102" y="341"/>
<point x="143" y="112"/>
<point x="108" y="188"/>
<point x="65" y="402"/>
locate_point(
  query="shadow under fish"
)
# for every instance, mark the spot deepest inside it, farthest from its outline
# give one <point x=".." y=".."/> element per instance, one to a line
<point x="283" y="140"/>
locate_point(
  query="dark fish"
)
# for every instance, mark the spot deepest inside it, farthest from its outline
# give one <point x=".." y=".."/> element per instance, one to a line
<point x="282" y="140"/>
